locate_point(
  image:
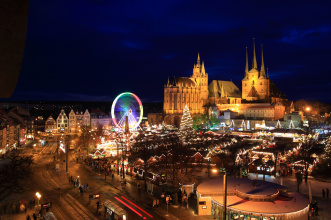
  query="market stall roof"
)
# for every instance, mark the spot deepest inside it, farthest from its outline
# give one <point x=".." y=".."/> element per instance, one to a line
<point x="240" y="184"/>
<point x="288" y="203"/>
<point x="290" y="131"/>
<point x="292" y="203"/>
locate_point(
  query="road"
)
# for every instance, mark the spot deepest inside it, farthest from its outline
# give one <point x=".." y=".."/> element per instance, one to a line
<point x="67" y="202"/>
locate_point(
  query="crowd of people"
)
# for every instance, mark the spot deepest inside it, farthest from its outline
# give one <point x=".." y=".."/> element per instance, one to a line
<point x="16" y="207"/>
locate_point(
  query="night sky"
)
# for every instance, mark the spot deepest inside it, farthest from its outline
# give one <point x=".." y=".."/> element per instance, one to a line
<point x="93" y="50"/>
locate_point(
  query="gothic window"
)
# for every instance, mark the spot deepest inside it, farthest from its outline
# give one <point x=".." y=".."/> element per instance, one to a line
<point x="253" y="82"/>
<point x="260" y="83"/>
<point x="245" y="84"/>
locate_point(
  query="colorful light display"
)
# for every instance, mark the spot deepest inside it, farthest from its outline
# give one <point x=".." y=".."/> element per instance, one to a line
<point x="128" y="105"/>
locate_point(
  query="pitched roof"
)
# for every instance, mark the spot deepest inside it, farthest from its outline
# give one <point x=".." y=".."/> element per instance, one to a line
<point x="185" y="81"/>
<point x="229" y="88"/>
<point x="253" y="93"/>
<point x="275" y="91"/>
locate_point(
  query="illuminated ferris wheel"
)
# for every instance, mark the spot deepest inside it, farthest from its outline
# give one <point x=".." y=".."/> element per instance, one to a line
<point x="127" y="105"/>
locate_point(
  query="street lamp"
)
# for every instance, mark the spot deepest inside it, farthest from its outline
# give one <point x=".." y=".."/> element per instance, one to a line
<point x="38" y="196"/>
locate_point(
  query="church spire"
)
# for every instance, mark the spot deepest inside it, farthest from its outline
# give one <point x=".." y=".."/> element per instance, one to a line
<point x="198" y="60"/>
<point x="203" y="71"/>
<point x="262" y="71"/>
<point x="246" y="68"/>
<point x="254" y="64"/>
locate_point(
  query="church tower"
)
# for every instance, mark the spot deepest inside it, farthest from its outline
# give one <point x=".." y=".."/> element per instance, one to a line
<point x="255" y="84"/>
<point x="200" y="77"/>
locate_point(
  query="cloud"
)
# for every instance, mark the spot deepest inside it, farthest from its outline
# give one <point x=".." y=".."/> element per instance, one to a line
<point x="296" y="36"/>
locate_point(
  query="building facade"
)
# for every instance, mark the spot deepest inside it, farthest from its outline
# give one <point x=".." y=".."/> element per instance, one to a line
<point x="50" y="125"/>
<point x="62" y="122"/>
<point x="191" y="91"/>
<point x="101" y="120"/>
<point x="78" y="119"/>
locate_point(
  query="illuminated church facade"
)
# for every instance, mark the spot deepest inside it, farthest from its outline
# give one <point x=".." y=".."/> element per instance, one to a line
<point x="258" y="94"/>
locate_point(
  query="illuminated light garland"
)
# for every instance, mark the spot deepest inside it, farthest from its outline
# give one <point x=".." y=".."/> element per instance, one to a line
<point x="133" y="124"/>
<point x="186" y="129"/>
<point x="288" y="215"/>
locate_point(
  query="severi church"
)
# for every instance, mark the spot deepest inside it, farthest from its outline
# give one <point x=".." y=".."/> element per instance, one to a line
<point x="259" y="98"/>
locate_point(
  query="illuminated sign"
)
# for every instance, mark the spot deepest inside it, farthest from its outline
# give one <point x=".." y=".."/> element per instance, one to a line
<point x="94" y="196"/>
<point x="46" y="205"/>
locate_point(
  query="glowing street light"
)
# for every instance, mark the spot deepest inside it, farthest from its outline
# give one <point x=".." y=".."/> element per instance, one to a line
<point x="307" y="109"/>
<point x="38" y="196"/>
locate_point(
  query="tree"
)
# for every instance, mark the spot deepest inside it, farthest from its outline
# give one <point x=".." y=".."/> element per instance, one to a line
<point x="300" y="105"/>
<point x="145" y="154"/>
<point x="99" y="131"/>
<point x="199" y="121"/>
<point x="214" y="121"/>
<point x="186" y="129"/>
<point x="327" y="151"/>
<point x="14" y="172"/>
<point x="86" y="138"/>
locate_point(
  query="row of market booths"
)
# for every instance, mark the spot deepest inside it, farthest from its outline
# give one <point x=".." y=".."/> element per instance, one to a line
<point x="136" y="167"/>
<point x="285" y="156"/>
<point x="155" y="175"/>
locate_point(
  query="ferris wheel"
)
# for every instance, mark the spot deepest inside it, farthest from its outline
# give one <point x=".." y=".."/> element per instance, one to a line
<point x="128" y="105"/>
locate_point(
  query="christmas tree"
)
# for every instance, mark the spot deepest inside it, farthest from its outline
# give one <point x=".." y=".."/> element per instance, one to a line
<point x="186" y="129"/>
<point x="327" y="150"/>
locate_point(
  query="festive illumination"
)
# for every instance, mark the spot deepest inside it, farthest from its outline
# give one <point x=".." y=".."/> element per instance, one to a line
<point x="243" y="125"/>
<point x="327" y="150"/>
<point x="127" y="105"/>
<point x="186" y="129"/>
<point x="232" y="124"/>
<point x="248" y="126"/>
<point x="278" y="124"/>
<point x="291" y="125"/>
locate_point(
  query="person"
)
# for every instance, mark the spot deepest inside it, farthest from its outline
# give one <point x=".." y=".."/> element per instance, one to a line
<point x="154" y="203"/>
<point x="157" y="203"/>
<point x="34" y="216"/>
<point x="323" y="193"/>
<point x="327" y="193"/>
<point x="112" y="215"/>
<point x="316" y="210"/>
<point x="98" y="204"/>
<point x="28" y="217"/>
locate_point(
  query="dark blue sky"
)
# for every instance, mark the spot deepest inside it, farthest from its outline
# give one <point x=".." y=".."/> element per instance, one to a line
<point x="94" y="50"/>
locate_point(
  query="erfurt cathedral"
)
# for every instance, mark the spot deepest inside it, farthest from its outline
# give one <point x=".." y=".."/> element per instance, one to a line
<point x="258" y="92"/>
